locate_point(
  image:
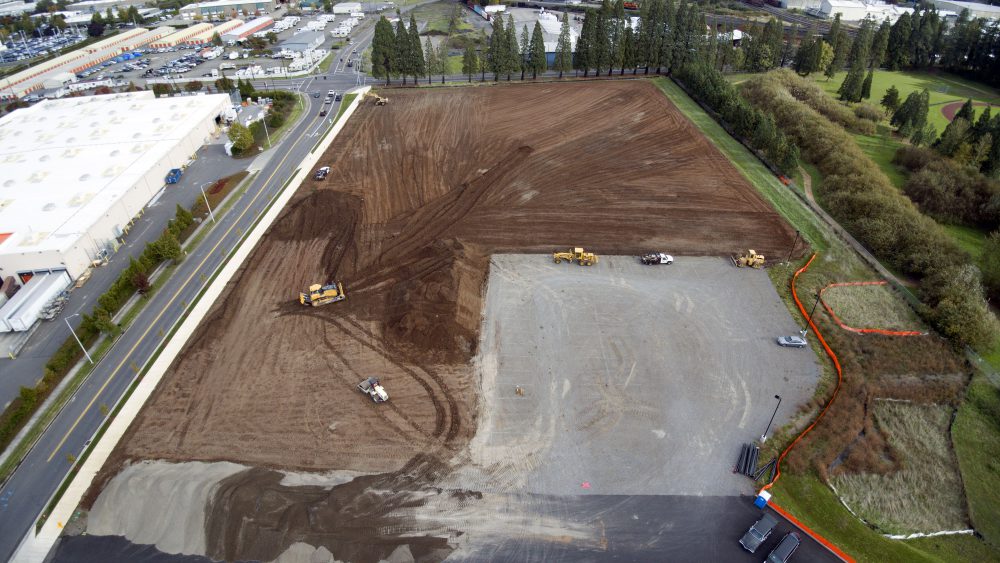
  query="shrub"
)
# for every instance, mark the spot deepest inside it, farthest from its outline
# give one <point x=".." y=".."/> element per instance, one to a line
<point x="869" y="112"/>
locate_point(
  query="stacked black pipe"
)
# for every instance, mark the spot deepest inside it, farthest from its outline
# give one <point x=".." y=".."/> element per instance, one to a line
<point x="747" y="463"/>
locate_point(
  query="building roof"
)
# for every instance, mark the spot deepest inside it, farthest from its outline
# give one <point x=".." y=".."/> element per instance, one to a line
<point x="976" y="6"/>
<point x="303" y="40"/>
<point x="66" y="162"/>
<point x="845" y="4"/>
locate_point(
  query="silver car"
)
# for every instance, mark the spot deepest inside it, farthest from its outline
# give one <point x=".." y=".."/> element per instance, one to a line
<point x="792" y="341"/>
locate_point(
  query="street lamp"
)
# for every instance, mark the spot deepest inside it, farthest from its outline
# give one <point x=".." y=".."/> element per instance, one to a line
<point x="763" y="437"/>
<point x="805" y="331"/>
<point x="204" y="195"/>
<point x="792" y="249"/>
<point x="77" y="338"/>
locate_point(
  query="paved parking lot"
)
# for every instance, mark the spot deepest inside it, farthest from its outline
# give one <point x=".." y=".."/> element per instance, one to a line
<point x="634" y="380"/>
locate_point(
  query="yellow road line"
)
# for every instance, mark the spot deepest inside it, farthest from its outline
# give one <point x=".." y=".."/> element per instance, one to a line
<point x="177" y="294"/>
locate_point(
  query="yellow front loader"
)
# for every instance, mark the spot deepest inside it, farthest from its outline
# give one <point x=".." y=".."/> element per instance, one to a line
<point x="578" y="255"/>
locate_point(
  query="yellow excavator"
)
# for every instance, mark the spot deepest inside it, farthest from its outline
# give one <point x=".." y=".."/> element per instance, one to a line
<point x="577" y="254"/>
<point x="751" y="259"/>
<point x="323" y="294"/>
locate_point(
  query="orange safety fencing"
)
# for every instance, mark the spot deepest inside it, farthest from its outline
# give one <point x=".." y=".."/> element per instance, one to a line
<point x="825" y="542"/>
<point x="836" y="391"/>
<point x="844" y="326"/>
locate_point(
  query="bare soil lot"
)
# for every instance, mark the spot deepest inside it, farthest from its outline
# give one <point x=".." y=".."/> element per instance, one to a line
<point x="421" y="193"/>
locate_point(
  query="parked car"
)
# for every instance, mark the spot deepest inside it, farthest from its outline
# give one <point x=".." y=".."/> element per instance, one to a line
<point x="785" y="548"/>
<point x="757" y="534"/>
<point x="792" y="341"/>
<point x="174" y="175"/>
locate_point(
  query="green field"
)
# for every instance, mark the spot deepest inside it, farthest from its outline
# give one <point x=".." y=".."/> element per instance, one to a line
<point x="970" y="239"/>
<point x="944" y="88"/>
<point x="976" y="433"/>
<point x="881" y="149"/>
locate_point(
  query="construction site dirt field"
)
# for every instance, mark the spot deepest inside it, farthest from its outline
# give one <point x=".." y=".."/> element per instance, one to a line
<point x="421" y="193"/>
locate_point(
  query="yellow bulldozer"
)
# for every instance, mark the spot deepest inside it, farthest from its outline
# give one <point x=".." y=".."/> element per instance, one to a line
<point x="379" y="100"/>
<point x="323" y="294"/>
<point x="751" y="259"/>
<point x="582" y="258"/>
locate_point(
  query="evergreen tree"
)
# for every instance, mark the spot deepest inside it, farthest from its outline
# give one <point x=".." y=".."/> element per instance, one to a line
<point x="831" y="35"/>
<point x="967" y="112"/>
<point x="841" y="49"/>
<point x="441" y="60"/>
<point x="866" y="87"/>
<point x="512" y="58"/>
<point x="861" y="46"/>
<point x="525" y="50"/>
<point x="629" y="52"/>
<point x="955" y="135"/>
<point x="498" y="48"/>
<point x="469" y="61"/>
<point x="416" y="53"/>
<point x="537" y="58"/>
<point x="383" y="49"/>
<point x="890" y="101"/>
<point x="805" y="57"/>
<point x="880" y="44"/>
<point x="430" y="58"/>
<point x="602" y="39"/>
<point x="983" y="124"/>
<point x="652" y="32"/>
<point x="564" y="53"/>
<point x="853" y="85"/>
<point x="897" y="52"/>
<point x="584" y="48"/>
<point x="616" y="31"/>
<point x="402" y="59"/>
<point x="772" y="37"/>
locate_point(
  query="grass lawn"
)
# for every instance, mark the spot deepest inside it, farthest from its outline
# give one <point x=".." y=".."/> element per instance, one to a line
<point x="976" y="433"/>
<point x="438" y="16"/>
<point x="926" y="494"/>
<point x="881" y="149"/>
<point x="970" y="239"/>
<point x="944" y="88"/>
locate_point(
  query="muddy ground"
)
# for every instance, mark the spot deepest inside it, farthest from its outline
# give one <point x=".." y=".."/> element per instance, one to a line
<point x="421" y="193"/>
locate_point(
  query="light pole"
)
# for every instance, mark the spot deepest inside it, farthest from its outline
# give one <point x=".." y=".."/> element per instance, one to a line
<point x="204" y="195"/>
<point x="805" y="331"/>
<point x="792" y="249"/>
<point x="77" y="338"/>
<point x="763" y="437"/>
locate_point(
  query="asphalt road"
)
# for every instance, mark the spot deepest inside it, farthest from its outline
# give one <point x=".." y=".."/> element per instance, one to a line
<point x="27" y="492"/>
<point x="634" y="528"/>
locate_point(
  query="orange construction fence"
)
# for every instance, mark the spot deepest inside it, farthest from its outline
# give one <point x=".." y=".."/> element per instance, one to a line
<point x="841" y="324"/>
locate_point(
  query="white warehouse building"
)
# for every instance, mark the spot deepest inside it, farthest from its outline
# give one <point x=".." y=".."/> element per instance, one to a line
<point x="78" y="171"/>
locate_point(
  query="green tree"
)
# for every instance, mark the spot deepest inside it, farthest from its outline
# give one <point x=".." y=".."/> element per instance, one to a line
<point x="880" y="44"/>
<point x="524" y="51"/>
<point x="564" y="53"/>
<point x="584" y="44"/>
<point x="537" y="52"/>
<point x="403" y="63"/>
<point x="141" y="282"/>
<point x="430" y="58"/>
<point x="102" y="321"/>
<point x="109" y="16"/>
<point x="246" y="88"/>
<point x="416" y="55"/>
<point x="629" y="53"/>
<point x="513" y="61"/>
<point x="383" y="50"/>
<point x="162" y="89"/>
<point x="241" y="138"/>
<point x="890" y="101"/>
<point x="897" y="51"/>
<point x="224" y="84"/>
<point x="616" y="36"/>
<point x="216" y="39"/>
<point x="271" y="37"/>
<point x="469" y="61"/>
<point x="853" y="85"/>
<point x="960" y="311"/>
<point x="193" y="86"/>
<point x="455" y="21"/>
<point x="498" y="49"/>
<point x="866" y="87"/>
<point x="967" y="112"/>
<point x="990" y="264"/>
<point x="602" y="38"/>
<point x="441" y="60"/>
<point x="955" y="135"/>
<point x="327" y="6"/>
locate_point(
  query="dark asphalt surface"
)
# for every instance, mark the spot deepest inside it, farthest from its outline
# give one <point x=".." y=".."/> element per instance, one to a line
<point x="27" y="492"/>
<point x="636" y="528"/>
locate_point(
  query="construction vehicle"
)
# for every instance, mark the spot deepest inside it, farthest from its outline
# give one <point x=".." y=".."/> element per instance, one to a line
<point x="373" y="389"/>
<point x="323" y="294"/>
<point x="656" y="258"/>
<point x="379" y="100"/>
<point x="582" y="258"/>
<point x="751" y="259"/>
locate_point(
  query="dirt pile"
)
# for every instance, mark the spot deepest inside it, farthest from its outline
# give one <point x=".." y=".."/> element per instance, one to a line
<point x="421" y="192"/>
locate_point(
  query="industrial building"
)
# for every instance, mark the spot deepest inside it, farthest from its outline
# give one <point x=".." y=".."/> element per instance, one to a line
<point x="205" y="36"/>
<point x="227" y="8"/>
<point x="78" y="171"/>
<point x="976" y="10"/>
<point x="182" y="35"/>
<point x="91" y="6"/>
<point x="302" y="42"/>
<point x="347" y="8"/>
<point x="247" y="29"/>
<point x="854" y="10"/>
